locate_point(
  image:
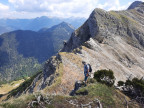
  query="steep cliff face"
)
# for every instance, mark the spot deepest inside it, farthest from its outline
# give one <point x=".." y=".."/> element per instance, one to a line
<point x="102" y="25"/>
<point x="107" y="40"/>
<point x="59" y="74"/>
<point x="134" y="4"/>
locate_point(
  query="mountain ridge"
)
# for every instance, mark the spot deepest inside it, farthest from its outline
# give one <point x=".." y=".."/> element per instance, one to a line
<point x="36" y="24"/>
<point x="62" y="24"/>
<point x="89" y="24"/>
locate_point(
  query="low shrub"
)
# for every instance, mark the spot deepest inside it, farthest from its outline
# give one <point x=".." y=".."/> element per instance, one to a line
<point x="120" y="83"/>
<point x="105" y="76"/>
<point x="134" y="89"/>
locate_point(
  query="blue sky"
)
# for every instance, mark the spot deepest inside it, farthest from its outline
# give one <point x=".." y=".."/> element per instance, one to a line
<point x="4" y="1"/>
<point x="57" y="8"/>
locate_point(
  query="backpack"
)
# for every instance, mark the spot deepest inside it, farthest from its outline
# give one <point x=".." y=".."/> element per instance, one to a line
<point x="90" y="69"/>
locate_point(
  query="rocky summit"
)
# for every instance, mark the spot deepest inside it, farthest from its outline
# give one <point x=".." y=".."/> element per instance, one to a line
<point x="134" y="4"/>
<point x="107" y="40"/>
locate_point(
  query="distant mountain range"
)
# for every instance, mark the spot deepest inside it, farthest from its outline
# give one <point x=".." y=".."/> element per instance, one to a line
<point x="23" y="51"/>
<point x="7" y="25"/>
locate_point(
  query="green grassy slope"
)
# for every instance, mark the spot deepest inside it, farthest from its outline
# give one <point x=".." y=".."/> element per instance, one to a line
<point x="108" y="96"/>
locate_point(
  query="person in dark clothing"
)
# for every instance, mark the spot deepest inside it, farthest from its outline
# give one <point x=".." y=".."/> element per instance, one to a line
<point x="86" y="71"/>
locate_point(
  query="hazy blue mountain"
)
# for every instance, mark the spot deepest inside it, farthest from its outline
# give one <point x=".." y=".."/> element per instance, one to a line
<point x="23" y="51"/>
<point x="58" y="34"/>
<point x="7" y="25"/>
<point x="4" y="29"/>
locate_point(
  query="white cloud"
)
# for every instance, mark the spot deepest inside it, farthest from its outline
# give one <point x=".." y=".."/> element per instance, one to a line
<point x="58" y="8"/>
<point x="3" y="7"/>
<point x="113" y="5"/>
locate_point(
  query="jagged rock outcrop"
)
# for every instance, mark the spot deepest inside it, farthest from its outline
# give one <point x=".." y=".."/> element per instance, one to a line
<point x="107" y="40"/>
<point x="137" y="5"/>
<point x="134" y="4"/>
<point x="103" y="25"/>
<point x="50" y="72"/>
<point x="59" y="75"/>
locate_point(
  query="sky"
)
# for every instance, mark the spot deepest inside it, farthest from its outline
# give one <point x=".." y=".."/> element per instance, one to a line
<point x="57" y="8"/>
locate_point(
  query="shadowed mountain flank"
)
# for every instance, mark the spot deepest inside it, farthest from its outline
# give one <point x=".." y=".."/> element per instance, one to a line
<point x="33" y="44"/>
<point x="22" y="52"/>
<point x="1" y="41"/>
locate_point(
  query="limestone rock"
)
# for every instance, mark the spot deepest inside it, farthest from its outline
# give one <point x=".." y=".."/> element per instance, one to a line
<point x="134" y="4"/>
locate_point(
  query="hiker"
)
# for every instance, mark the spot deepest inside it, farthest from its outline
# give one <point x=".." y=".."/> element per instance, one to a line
<point x="87" y="70"/>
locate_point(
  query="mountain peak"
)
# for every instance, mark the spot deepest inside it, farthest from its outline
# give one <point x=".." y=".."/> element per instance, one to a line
<point x="101" y="24"/>
<point x="63" y="24"/>
<point x="134" y="5"/>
